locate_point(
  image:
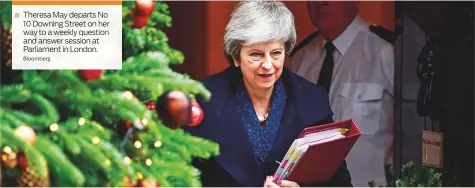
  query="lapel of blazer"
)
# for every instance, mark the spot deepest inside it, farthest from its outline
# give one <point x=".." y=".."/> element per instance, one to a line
<point x="289" y="128"/>
<point x="236" y="152"/>
<point x="287" y="133"/>
<point x="237" y="155"/>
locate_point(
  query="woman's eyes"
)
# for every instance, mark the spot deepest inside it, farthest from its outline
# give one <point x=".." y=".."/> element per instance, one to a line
<point x="257" y="56"/>
<point x="277" y="53"/>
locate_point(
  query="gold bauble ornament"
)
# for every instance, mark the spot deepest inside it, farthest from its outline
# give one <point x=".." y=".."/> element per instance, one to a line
<point x="9" y="157"/>
<point x="29" y="178"/>
<point x="126" y="182"/>
<point x="26" y="133"/>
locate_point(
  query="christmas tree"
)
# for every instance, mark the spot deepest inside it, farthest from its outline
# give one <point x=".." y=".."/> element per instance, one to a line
<point x="104" y="127"/>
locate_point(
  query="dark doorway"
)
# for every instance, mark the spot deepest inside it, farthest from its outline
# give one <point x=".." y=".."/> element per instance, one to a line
<point x="435" y="84"/>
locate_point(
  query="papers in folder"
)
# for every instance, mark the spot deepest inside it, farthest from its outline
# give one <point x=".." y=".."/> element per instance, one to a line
<point x="299" y="147"/>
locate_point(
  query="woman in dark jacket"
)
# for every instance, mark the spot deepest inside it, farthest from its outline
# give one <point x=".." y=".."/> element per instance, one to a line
<point x="258" y="107"/>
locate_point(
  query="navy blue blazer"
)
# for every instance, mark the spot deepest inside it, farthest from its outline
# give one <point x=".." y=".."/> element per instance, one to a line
<point x="307" y="105"/>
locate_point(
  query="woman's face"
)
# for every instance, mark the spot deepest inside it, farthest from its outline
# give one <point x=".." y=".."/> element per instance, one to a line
<point x="261" y="64"/>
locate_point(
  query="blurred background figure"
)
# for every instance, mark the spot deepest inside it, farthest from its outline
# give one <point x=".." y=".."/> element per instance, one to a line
<point x="356" y="66"/>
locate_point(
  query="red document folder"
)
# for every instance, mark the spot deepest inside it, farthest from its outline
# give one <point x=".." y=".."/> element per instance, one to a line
<point x="321" y="161"/>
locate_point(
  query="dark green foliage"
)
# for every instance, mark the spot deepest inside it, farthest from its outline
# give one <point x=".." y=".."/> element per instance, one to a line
<point x="411" y="177"/>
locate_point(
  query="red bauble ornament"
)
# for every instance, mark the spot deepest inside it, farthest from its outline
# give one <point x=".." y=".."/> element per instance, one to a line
<point x="22" y="160"/>
<point x="123" y="127"/>
<point x="139" y="21"/>
<point x="197" y="114"/>
<point x="151" y="105"/>
<point x="128" y="125"/>
<point x="88" y="75"/>
<point x="144" y="7"/>
<point x="174" y="109"/>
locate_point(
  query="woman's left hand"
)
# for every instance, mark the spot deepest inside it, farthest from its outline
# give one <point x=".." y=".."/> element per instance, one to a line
<point x="281" y="183"/>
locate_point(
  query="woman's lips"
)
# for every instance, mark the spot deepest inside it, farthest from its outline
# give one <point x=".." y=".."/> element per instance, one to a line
<point x="265" y="76"/>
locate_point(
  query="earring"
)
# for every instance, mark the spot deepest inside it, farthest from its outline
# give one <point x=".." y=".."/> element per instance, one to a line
<point x="236" y="65"/>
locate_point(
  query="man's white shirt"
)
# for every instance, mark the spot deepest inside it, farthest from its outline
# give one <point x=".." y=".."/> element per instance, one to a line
<point x="362" y="89"/>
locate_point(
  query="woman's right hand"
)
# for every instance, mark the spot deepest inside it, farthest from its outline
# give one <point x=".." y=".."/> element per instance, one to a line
<point x="284" y="183"/>
<point x="269" y="182"/>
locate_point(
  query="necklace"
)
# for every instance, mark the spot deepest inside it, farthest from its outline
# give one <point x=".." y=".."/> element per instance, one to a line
<point x="264" y="117"/>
